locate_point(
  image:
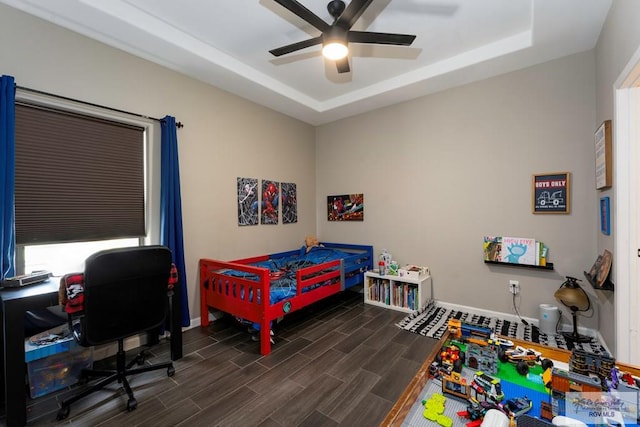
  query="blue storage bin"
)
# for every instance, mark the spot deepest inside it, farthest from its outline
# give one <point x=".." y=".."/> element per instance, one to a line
<point x="55" y="365"/>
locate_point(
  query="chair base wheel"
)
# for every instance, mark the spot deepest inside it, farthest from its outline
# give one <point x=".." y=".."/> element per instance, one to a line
<point x="140" y="358"/>
<point x="63" y="413"/>
<point x="132" y="404"/>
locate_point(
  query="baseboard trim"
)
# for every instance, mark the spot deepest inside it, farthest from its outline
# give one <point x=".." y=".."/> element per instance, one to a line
<point x="513" y="318"/>
<point x="215" y="315"/>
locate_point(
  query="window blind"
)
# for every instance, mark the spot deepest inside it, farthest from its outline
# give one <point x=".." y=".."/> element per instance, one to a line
<point x="78" y="177"/>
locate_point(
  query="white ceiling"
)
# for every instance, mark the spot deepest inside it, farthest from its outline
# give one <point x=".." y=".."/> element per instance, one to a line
<point x="226" y="43"/>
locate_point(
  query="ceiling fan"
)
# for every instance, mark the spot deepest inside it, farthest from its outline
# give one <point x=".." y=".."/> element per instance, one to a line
<point x="335" y="37"/>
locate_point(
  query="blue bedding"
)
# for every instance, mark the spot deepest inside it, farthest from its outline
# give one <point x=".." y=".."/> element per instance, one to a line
<point x="283" y="270"/>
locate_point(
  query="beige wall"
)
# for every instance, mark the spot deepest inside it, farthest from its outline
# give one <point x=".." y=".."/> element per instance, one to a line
<point x="619" y="40"/>
<point x="440" y="172"/>
<point x="224" y="137"/>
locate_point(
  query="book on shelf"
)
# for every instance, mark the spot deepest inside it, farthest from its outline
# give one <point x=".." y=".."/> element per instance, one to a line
<point x="542" y="254"/>
<point x="492" y="248"/>
<point x="379" y="290"/>
<point x="515" y="250"/>
<point x="520" y="250"/>
<point x="599" y="272"/>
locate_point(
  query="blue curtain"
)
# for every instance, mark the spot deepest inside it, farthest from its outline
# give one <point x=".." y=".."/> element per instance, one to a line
<point x="7" y="176"/>
<point x="171" y="209"/>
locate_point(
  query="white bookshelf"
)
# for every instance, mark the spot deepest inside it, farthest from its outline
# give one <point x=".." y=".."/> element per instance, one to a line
<point x="395" y="292"/>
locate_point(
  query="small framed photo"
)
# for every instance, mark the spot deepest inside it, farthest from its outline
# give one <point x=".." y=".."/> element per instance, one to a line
<point x="551" y="193"/>
<point x="605" y="217"/>
<point x="604" y="156"/>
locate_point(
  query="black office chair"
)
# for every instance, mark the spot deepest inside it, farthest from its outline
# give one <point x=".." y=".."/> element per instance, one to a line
<point x="125" y="294"/>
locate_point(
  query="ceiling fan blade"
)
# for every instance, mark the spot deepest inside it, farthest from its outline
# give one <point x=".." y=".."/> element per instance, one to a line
<point x="380" y="38"/>
<point x="343" y="65"/>
<point x="296" y="46"/>
<point x="351" y="14"/>
<point x="304" y="13"/>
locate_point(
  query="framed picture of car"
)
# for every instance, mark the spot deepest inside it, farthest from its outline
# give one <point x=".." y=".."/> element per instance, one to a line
<point x="551" y="193"/>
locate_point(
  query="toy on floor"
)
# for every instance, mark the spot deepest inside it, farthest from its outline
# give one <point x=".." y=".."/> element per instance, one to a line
<point x="451" y="358"/>
<point x="523" y="358"/>
<point x="495" y="418"/>
<point x="487" y="386"/>
<point x="587" y="363"/>
<point x="518" y="405"/>
<point x="483" y="359"/>
<point x="476" y="412"/>
<point x="468" y="333"/>
<point x="434" y="410"/>
<point x="456" y="385"/>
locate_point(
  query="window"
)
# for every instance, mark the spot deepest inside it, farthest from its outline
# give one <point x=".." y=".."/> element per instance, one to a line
<point x="82" y="182"/>
<point x="78" y="177"/>
<point x="63" y="258"/>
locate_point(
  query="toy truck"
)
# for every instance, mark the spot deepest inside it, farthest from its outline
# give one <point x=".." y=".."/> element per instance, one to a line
<point x="451" y="358"/>
<point x="489" y="385"/>
<point x="523" y="358"/>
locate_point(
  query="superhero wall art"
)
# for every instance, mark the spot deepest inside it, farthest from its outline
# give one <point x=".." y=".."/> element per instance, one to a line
<point x="247" y="189"/>
<point x="347" y="207"/>
<point x="289" y="203"/>
<point x="264" y="202"/>
<point x="270" y="201"/>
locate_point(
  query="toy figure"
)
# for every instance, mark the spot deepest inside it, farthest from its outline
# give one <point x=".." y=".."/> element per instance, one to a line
<point x="311" y="242"/>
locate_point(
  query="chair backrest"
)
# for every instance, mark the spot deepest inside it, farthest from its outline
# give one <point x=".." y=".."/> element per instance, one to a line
<point x="125" y="293"/>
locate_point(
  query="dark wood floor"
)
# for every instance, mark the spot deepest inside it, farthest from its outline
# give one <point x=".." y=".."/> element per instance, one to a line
<point x="337" y="363"/>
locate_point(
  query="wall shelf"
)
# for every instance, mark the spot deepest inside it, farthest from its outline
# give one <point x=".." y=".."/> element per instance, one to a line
<point x="549" y="265"/>
<point x="607" y="285"/>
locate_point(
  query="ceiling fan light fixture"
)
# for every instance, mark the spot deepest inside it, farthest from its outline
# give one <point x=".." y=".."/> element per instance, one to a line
<point x="335" y="50"/>
<point x="335" y="37"/>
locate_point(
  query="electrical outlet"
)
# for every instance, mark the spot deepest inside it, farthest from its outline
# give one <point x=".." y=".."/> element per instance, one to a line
<point x="514" y="287"/>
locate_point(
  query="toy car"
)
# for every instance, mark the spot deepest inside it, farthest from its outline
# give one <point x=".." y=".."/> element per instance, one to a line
<point x="523" y="358"/>
<point x="503" y="343"/>
<point x="476" y="410"/>
<point x="488" y="385"/>
<point x="518" y="405"/>
<point x="451" y="357"/>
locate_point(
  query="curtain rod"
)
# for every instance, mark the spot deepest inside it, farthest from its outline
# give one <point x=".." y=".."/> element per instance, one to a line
<point x="39" y="92"/>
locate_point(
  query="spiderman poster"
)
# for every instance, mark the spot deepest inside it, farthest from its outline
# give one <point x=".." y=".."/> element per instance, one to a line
<point x="247" y="201"/>
<point x="269" y="202"/>
<point x="348" y="207"/>
<point x="289" y="203"/>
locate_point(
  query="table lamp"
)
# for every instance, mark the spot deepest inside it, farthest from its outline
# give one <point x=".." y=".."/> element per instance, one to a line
<point x="571" y="295"/>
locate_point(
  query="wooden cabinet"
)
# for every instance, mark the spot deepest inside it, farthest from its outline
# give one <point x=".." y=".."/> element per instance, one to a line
<point x="395" y="292"/>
